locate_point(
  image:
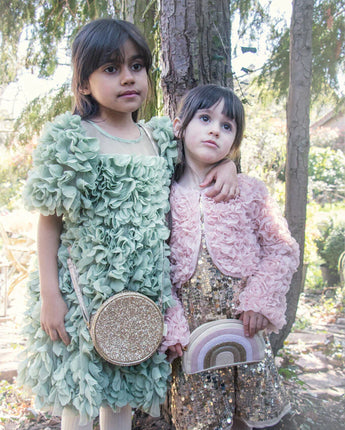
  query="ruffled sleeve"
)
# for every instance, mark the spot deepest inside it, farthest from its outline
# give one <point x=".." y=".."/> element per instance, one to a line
<point x="163" y="134"/>
<point x="177" y="326"/>
<point x="279" y="258"/>
<point x="63" y="165"/>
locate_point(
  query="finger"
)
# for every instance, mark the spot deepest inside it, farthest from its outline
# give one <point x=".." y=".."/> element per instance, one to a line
<point x="179" y="350"/>
<point x="209" y="178"/>
<point x="245" y="324"/>
<point x="234" y="192"/>
<point x="252" y="324"/>
<point x="64" y="336"/>
<point x="213" y="191"/>
<point x="223" y="195"/>
<point x="265" y="323"/>
<point x="259" y="322"/>
<point x="53" y="335"/>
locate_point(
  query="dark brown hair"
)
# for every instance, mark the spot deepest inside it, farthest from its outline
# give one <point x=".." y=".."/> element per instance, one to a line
<point x="100" y="42"/>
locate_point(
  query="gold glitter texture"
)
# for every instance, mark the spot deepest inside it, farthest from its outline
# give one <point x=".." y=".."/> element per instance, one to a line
<point x="209" y="400"/>
<point x="127" y="329"/>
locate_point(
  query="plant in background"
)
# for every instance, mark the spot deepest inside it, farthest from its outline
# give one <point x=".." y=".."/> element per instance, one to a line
<point x="326" y="175"/>
<point x="330" y="245"/>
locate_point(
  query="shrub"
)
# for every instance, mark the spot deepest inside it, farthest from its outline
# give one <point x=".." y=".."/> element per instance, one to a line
<point x="326" y="175"/>
<point x="330" y="245"/>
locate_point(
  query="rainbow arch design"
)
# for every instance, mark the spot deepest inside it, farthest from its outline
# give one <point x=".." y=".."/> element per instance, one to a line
<point x="221" y="343"/>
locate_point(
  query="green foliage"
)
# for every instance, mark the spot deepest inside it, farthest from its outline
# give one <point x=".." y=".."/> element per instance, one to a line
<point x="331" y="244"/>
<point x="13" y="171"/>
<point x="326" y="171"/>
<point x="264" y="146"/>
<point x="39" y="111"/>
<point x="328" y="53"/>
<point x="45" y="26"/>
<point x="252" y="17"/>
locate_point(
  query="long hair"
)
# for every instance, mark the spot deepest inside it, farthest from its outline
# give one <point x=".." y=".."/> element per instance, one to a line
<point x="204" y="97"/>
<point x="97" y="43"/>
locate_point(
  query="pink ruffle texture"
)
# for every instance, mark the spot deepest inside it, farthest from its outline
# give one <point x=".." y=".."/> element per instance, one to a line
<point x="246" y="237"/>
<point x="177" y="326"/>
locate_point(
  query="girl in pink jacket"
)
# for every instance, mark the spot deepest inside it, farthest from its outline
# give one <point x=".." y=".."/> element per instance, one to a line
<point x="229" y="260"/>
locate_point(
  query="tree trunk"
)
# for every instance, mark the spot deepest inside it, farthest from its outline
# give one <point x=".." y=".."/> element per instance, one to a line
<point x="144" y="15"/>
<point x="196" y="47"/>
<point x="297" y="146"/>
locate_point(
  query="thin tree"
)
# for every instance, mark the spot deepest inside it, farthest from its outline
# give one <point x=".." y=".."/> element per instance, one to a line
<point x="298" y="107"/>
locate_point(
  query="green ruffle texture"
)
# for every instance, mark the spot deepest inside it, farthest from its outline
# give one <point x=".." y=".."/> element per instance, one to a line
<point x="114" y="210"/>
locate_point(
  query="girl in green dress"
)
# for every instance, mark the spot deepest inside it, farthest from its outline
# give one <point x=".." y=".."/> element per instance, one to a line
<point x="101" y="184"/>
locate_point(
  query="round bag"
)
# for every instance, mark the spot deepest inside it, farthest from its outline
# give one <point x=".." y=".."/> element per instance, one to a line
<point x="127" y="329"/>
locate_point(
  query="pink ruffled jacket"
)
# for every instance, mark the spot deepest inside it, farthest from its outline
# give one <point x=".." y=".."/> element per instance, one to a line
<point x="246" y="237"/>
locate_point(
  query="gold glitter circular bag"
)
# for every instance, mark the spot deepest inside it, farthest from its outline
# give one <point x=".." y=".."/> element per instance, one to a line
<point x="127" y="329"/>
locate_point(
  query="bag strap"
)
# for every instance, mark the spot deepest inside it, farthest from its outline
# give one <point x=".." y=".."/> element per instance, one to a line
<point x="75" y="282"/>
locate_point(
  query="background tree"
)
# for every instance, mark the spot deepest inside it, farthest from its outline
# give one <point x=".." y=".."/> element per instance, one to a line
<point x="296" y="174"/>
<point x="328" y="55"/>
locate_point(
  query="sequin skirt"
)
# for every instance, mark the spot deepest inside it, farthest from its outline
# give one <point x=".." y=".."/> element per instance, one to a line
<point x="210" y="400"/>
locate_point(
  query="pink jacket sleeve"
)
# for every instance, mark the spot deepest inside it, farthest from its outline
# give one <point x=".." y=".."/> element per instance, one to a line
<point x="177" y="325"/>
<point x="279" y="258"/>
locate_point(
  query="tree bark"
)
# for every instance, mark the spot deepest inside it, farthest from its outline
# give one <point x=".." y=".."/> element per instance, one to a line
<point x="144" y="15"/>
<point x="297" y="146"/>
<point x="196" y="47"/>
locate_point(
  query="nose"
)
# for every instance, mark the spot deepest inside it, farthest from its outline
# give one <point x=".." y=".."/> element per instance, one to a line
<point x="127" y="76"/>
<point x="214" y="129"/>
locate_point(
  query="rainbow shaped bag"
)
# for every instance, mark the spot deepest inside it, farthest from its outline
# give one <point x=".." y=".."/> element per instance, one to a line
<point x="221" y="343"/>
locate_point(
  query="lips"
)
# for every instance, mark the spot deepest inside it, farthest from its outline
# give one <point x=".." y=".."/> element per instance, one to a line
<point x="129" y="94"/>
<point x="210" y="142"/>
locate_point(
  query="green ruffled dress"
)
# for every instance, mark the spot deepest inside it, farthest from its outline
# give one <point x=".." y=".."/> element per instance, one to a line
<point x="114" y="209"/>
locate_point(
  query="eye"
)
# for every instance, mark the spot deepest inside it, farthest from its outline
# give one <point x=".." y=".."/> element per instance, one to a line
<point x="204" y="117"/>
<point x="137" y="67"/>
<point x="227" y="126"/>
<point x="110" y="69"/>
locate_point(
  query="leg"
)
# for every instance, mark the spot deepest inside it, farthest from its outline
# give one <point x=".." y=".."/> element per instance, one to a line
<point x="70" y="421"/>
<point x="110" y="420"/>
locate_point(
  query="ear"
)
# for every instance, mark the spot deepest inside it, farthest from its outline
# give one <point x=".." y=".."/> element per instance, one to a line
<point x="177" y="126"/>
<point x="85" y="89"/>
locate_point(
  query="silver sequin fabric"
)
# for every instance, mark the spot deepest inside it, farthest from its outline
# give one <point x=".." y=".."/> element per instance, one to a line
<point x="209" y="400"/>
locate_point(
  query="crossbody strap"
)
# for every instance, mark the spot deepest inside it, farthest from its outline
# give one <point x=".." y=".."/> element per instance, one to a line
<point x="74" y="278"/>
<point x="75" y="282"/>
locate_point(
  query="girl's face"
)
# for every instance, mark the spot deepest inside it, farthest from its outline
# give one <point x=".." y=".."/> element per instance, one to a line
<point x="119" y="88"/>
<point x="208" y="137"/>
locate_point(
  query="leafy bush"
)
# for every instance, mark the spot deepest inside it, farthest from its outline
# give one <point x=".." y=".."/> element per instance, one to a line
<point x="326" y="175"/>
<point x="330" y="246"/>
<point x="13" y="171"/>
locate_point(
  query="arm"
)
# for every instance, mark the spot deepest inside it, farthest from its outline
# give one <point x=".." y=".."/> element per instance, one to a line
<point x="178" y="334"/>
<point x="223" y="181"/>
<point x="266" y="288"/>
<point x="53" y="307"/>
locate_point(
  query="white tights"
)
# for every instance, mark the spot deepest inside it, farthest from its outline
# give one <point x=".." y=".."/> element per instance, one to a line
<point x="108" y="419"/>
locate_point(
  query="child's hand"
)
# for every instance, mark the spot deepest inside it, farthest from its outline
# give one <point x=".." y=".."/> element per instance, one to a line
<point x="253" y="322"/>
<point x="174" y="351"/>
<point x="53" y="313"/>
<point x="225" y="186"/>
